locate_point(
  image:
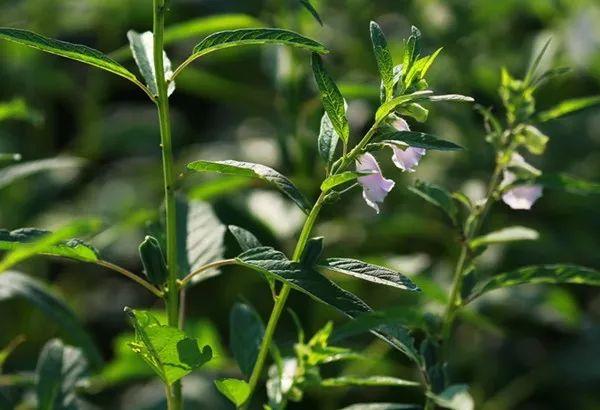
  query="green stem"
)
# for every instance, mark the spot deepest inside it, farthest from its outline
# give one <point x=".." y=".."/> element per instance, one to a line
<point x="174" y="399"/>
<point x="281" y="300"/>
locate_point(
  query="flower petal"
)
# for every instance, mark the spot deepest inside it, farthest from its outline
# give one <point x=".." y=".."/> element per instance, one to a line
<point x="522" y="197"/>
<point x="407" y="159"/>
<point x="375" y="186"/>
<point x="400" y="124"/>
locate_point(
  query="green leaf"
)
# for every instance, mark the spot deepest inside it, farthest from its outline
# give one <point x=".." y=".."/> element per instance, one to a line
<point x="455" y="397"/>
<point x="201" y="238"/>
<point x="153" y="261"/>
<point x="368" y="272"/>
<point x="25" y="243"/>
<point x="414" y="110"/>
<point x="207" y="25"/>
<point x="237" y="391"/>
<point x="382" y="406"/>
<point x="15" y="284"/>
<point x="403" y="316"/>
<point x="416" y="139"/>
<point x="76" y="52"/>
<point x="308" y="6"/>
<point x="167" y="350"/>
<point x="383" y="56"/>
<point x="12" y="173"/>
<point x="328" y="139"/>
<point x="541" y="274"/>
<point x="339" y="179"/>
<point x="59" y="370"/>
<point x="510" y="234"/>
<point x="17" y="109"/>
<point x="428" y="62"/>
<point x="244" y="238"/>
<point x="256" y="171"/>
<point x="450" y="97"/>
<point x="569" y="184"/>
<point x="255" y="36"/>
<point x="215" y="188"/>
<point x="9" y="349"/>
<point x="437" y="196"/>
<point x="392" y="105"/>
<point x="332" y="99"/>
<point x="246" y="331"/>
<point x="568" y="107"/>
<point x="312" y="252"/>
<point x="366" y="381"/>
<point x="532" y="139"/>
<point x="142" y="48"/>
<point x="10" y="158"/>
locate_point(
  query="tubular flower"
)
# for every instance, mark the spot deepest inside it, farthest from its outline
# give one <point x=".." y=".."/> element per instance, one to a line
<point x="405" y="157"/>
<point x="520" y="197"/>
<point x="375" y="186"/>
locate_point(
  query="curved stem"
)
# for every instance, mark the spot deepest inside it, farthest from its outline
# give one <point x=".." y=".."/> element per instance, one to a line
<point x="185" y="281"/>
<point x="174" y="398"/>
<point x="280" y="301"/>
<point x="131" y="276"/>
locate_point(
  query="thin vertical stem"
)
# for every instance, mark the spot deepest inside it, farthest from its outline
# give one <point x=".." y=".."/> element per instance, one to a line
<point x="281" y="300"/>
<point x="172" y="300"/>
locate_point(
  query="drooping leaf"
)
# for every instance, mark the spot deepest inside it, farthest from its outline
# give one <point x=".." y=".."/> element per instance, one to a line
<point x="246" y="331"/>
<point x="328" y="139"/>
<point x="332" y="99"/>
<point x="12" y="173"/>
<point x="368" y="272"/>
<point x="437" y="196"/>
<point x="256" y="171"/>
<point x="339" y="179"/>
<point x="167" y="350"/>
<point x="541" y="274"/>
<point x="201" y="238"/>
<point x="383" y="56"/>
<point x="509" y="234"/>
<point x="568" y="107"/>
<point x="414" y="110"/>
<point x="76" y="52"/>
<point x="153" y="261"/>
<point x="27" y="242"/>
<point x="311" y="9"/>
<point x="142" y="48"/>
<point x="450" y="97"/>
<point x="15" y="284"/>
<point x="366" y="381"/>
<point x="382" y="406"/>
<point x="244" y="238"/>
<point x="569" y="184"/>
<point x="417" y="139"/>
<point x="237" y="391"/>
<point x="59" y="370"/>
<point x="455" y="397"/>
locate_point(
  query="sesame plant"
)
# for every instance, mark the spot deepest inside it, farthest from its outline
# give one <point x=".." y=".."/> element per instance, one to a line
<point x="176" y="257"/>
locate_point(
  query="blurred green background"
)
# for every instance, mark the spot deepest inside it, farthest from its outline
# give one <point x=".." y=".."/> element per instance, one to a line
<point x="530" y="348"/>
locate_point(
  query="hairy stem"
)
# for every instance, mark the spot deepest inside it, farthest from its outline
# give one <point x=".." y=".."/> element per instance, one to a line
<point x="281" y="300"/>
<point x="174" y="398"/>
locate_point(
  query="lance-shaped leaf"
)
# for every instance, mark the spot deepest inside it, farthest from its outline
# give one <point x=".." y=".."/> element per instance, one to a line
<point x="392" y="105"/>
<point x="246" y="331"/>
<point x="244" y="238"/>
<point x="383" y="56"/>
<point x="339" y="179"/>
<point x="76" y="52"/>
<point x="167" y="350"/>
<point x="312" y="252"/>
<point x="437" y="196"/>
<point x="256" y="171"/>
<point x="311" y="9"/>
<point x="414" y="110"/>
<point x="368" y="272"/>
<point x="510" y="234"/>
<point x="366" y="381"/>
<point x="332" y="99"/>
<point x="59" y="370"/>
<point x="15" y="284"/>
<point x="142" y="48"/>
<point x="27" y="242"/>
<point x="328" y="139"/>
<point x="541" y="274"/>
<point x="568" y="183"/>
<point x="237" y="391"/>
<point x="12" y="173"/>
<point x="417" y="139"/>
<point x="406" y="317"/>
<point x="568" y="107"/>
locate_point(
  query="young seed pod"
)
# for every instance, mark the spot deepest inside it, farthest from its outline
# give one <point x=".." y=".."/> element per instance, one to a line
<point x="153" y="261"/>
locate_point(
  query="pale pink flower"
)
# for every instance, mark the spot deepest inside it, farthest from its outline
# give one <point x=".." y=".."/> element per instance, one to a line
<point x="521" y="196"/>
<point x="375" y="186"/>
<point x="405" y="157"/>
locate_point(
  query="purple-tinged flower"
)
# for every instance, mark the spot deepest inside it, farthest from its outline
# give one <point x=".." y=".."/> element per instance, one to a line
<point x="375" y="186"/>
<point x="522" y="196"/>
<point x="405" y="157"/>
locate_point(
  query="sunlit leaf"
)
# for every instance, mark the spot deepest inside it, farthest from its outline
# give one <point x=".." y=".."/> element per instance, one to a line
<point x="392" y="105"/>
<point x="15" y="284"/>
<point x="339" y="179"/>
<point x="366" y="381"/>
<point x="256" y="171"/>
<point x="383" y="56"/>
<point x="311" y="9"/>
<point x="244" y="238"/>
<point x="142" y="48"/>
<point x="237" y="391"/>
<point x="417" y="139"/>
<point x="12" y="173"/>
<point x="568" y="107"/>
<point x="328" y="139"/>
<point x="455" y="397"/>
<point x="368" y="272"/>
<point x="509" y="234"/>
<point x="246" y="331"/>
<point x="17" y="109"/>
